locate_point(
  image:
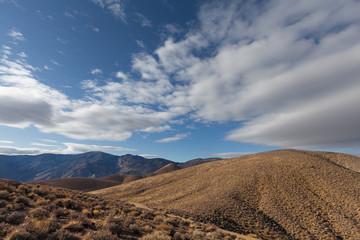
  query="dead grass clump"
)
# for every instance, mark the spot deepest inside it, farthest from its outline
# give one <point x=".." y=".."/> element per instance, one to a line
<point x="39" y="213"/>
<point x="157" y="235"/>
<point x="19" y="234"/>
<point x="3" y="203"/>
<point x="100" y="235"/>
<point x="16" y="218"/>
<point x="4" y="194"/>
<point x="22" y="199"/>
<point x="62" y="234"/>
<point x="74" y="226"/>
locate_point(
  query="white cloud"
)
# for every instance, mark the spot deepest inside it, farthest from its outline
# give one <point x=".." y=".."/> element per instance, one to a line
<point x="19" y="151"/>
<point x="6" y="142"/>
<point x="46" y="67"/>
<point x="144" y="21"/>
<point x="116" y="7"/>
<point x="232" y="154"/>
<point x="76" y="147"/>
<point x="16" y="35"/>
<point x="70" y="148"/>
<point x="285" y="70"/>
<point x="121" y="75"/>
<point x="96" y="71"/>
<point x="149" y="155"/>
<point x="43" y="144"/>
<point x="177" y="137"/>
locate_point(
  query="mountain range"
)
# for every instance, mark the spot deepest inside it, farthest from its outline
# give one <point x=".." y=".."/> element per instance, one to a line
<point x="26" y="168"/>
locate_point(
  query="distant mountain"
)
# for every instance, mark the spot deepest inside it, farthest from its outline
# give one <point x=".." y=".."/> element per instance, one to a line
<point x="284" y="194"/>
<point x="27" y="168"/>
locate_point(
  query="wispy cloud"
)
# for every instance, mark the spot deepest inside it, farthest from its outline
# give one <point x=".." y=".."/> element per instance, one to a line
<point x="177" y="137"/>
<point x="43" y="144"/>
<point x="76" y="147"/>
<point x="140" y="43"/>
<point x="116" y="7"/>
<point x="55" y="62"/>
<point x="144" y="21"/>
<point x="6" y="142"/>
<point x="96" y="71"/>
<point x="232" y="154"/>
<point x="149" y="155"/>
<point x="16" y="35"/>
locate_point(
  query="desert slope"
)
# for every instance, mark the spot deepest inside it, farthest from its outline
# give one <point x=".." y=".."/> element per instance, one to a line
<point x="278" y="194"/>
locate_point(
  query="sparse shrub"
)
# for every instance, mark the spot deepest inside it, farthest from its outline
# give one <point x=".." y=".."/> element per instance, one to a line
<point x="62" y="234"/>
<point x="113" y="225"/>
<point x="41" y="202"/>
<point x="135" y="229"/>
<point x="3" y="203"/>
<point x="198" y="235"/>
<point x="181" y="236"/>
<point x="100" y="235"/>
<point x="147" y="215"/>
<point x="16" y="218"/>
<point x="158" y="235"/>
<point x="17" y="206"/>
<point x="4" y="194"/>
<point x="23" y="200"/>
<point x="70" y="204"/>
<point x="215" y="235"/>
<point x="39" y="213"/>
<point x="19" y="234"/>
<point x="59" y="212"/>
<point x="41" y="191"/>
<point x="4" y="229"/>
<point x="24" y="189"/>
<point x="164" y="227"/>
<point x="74" y="226"/>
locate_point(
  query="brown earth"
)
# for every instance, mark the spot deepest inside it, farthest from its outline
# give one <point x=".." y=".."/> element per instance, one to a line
<point x="284" y="194"/>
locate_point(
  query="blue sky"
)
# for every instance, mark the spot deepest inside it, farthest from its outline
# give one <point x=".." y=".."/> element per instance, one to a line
<point x="179" y="79"/>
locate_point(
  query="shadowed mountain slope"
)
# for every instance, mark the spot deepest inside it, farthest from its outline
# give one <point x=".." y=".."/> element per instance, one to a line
<point x="283" y="194"/>
<point x="92" y="184"/>
<point x="27" y="168"/>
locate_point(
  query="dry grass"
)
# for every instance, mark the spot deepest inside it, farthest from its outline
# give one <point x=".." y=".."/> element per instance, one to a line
<point x="283" y="194"/>
<point x="35" y="212"/>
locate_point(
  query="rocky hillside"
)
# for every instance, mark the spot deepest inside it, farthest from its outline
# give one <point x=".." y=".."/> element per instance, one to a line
<point x="285" y="194"/>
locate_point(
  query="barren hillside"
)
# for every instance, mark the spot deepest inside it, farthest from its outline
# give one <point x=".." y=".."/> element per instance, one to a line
<point x="280" y="194"/>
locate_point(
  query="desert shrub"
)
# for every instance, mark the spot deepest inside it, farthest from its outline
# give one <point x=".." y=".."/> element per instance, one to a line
<point x="4" y="194"/>
<point x="24" y="189"/>
<point x="128" y="221"/>
<point x="181" y="236"/>
<point x="135" y="229"/>
<point x="62" y="234"/>
<point x="215" y="235"/>
<point x="164" y="227"/>
<point x="7" y="187"/>
<point x="198" y="235"/>
<point x="41" y="202"/>
<point x="37" y="230"/>
<point x="158" y="235"/>
<point x="41" y="192"/>
<point x="3" y="203"/>
<point x="147" y="215"/>
<point x="59" y="212"/>
<point x="17" y="206"/>
<point x="5" y="228"/>
<point x="22" y="199"/>
<point x="70" y="204"/>
<point x="19" y="234"/>
<point x="74" y="226"/>
<point x="113" y="225"/>
<point x="39" y="213"/>
<point x="100" y="235"/>
<point x="16" y="218"/>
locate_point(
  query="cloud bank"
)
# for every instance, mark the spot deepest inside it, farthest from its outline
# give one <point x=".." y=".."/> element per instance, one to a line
<point x="286" y="71"/>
